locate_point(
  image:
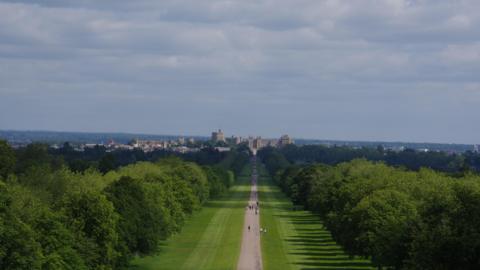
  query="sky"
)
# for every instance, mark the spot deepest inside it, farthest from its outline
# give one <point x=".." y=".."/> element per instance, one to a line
<point x="390" y="70"/>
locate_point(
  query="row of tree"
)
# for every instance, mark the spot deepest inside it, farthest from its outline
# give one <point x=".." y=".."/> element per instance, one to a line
<point x="54" y="218"/>
<point x="98" y="157"/>
<point x="408" y="158"/>
<point x="400" y="219"/>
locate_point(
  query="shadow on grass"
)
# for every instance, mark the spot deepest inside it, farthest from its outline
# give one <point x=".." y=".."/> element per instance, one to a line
<point x="310" y="240"/>
<point x="323" y="254"/>
<point x="339" y="263"/>
<point x="315" y="247"/>
<point x="311" y="244"/>
<point x="312" y="233"/>
<point x="320" y="249"/>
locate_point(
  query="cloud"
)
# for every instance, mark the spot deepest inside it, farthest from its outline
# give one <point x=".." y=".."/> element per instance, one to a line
<point x="463" y="53"/>
<point x="327" y="61"/>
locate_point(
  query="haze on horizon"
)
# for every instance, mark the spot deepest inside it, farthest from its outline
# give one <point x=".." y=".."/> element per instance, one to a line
<point x="393" y="70"/>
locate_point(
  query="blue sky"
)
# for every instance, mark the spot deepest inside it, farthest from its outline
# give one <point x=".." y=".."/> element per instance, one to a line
<point x="392" y="70"/>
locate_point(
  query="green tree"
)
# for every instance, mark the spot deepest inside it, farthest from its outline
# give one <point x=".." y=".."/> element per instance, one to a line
<point x="57" y="242"/>
<point x="189" y="172"/>
<point x="138" y="226"/>
<point x="7" y="159"/>
<point x="107" y="163"/>
<point x="34" y="155"/>
<point x="18" y="247"/>
<point x="215" y="183"/>
<point x="93" y="218"/>
<point x="382" y="227"/>
<point x="448" y="235"/>
<point x="168" y="210"/>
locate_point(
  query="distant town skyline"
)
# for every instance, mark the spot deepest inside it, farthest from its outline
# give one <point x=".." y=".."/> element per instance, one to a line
<point x="132" y="135"/>
<point x="396" y="70"/>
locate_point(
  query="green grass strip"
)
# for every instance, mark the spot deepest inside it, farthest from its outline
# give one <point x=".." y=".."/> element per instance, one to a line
<point x="297" y="239"/>
<point x="210" y="239"/>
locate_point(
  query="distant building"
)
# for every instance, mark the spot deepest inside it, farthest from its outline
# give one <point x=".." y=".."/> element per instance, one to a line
<point x="218" y="136"/>
<point x="269" y="142"/>
<point x="475" y="148"/>
<point x="285" y="140"/>
<point x="257" y="143"/>
<point x="181" y="141"/>
<point x="222" y="149"/>
<point x="110" y="143"/>
<point x="148" y="146"/>
<point x="90" y="145"/>
<point x="165" y="145"/>
<point x="191" y="140"/>
<point x="236" y="139"/>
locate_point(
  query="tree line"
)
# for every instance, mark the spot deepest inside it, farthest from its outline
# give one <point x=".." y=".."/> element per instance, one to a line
<point x="98" y="157"/>
<point x="399" y="218"/>
<point x="54" y="217"/>
<point x="408" y="158"/>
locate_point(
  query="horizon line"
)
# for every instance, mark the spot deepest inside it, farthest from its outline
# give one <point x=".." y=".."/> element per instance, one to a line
<point x="207" y="136"/>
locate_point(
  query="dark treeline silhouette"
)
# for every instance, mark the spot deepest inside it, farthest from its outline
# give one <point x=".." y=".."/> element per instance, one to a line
<point x="408" y="158"/>
<point x="98" y="157"/>
<point x="61" y="209"/>
<point x="399" y="218"/>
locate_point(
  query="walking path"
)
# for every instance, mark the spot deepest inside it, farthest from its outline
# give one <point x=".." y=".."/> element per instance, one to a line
<point x="250" y="254"/>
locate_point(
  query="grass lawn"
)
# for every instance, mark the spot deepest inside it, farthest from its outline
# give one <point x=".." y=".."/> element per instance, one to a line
<point x="210" y="239"/>
<point x="297" y="239"/>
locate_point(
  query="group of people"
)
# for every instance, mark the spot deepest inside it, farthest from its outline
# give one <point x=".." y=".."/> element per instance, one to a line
<point x="253" y="207"/>
<point x="262" y="230"/>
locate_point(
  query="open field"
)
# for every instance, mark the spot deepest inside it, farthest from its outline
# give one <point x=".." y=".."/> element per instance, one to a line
<point x="210" y="239"/>
<point x="297" y="239"/>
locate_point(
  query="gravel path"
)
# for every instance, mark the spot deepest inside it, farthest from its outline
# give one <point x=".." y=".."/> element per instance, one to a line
<point x="251" y="254"/>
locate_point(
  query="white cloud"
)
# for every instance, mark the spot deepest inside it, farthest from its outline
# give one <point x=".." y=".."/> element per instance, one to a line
<point x="268" y="52"/>
<point x="464" y="53"/>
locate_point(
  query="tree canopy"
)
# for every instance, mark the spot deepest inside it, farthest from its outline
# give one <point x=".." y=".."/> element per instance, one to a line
<point x="100" y="212"/>
<point x="401" y="219"/>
